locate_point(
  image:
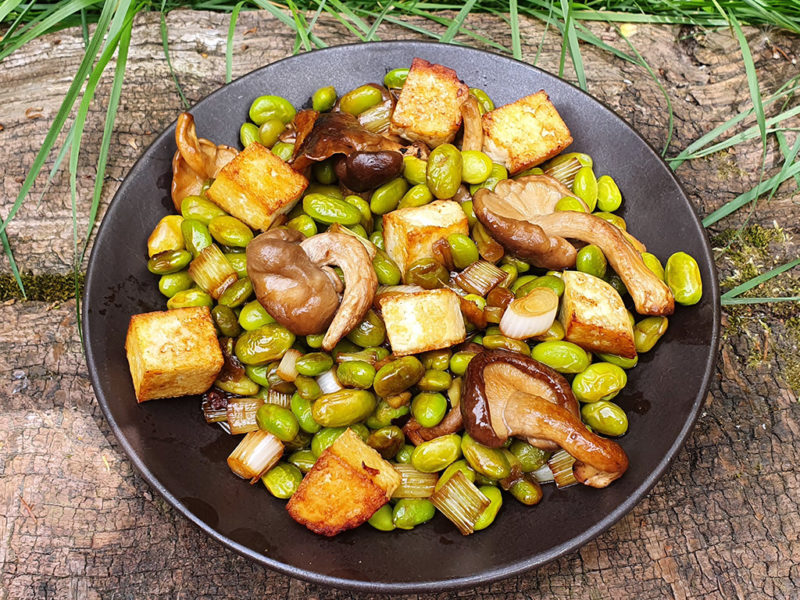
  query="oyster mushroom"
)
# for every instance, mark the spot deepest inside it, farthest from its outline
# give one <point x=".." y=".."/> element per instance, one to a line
<point x="195" y="161"/>
<point x="360" y="281"/>
<point x="506" y="394"/>
<point x="473" y="128"/>
<point x="520" y="214"/>
<point x="296" y="292"/>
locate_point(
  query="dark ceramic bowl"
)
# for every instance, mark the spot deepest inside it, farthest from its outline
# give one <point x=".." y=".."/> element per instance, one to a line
<point x="184" y="458"/>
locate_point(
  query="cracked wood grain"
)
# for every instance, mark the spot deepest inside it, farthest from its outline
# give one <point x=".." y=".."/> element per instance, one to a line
<point x="77" y="522"/>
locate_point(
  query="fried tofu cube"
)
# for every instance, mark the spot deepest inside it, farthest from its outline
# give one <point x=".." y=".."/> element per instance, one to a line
<point x="173" y="353"/>
<point x="344" y="488"/>
<point x="524" y="133"/>
<point x="594" y="316"/>
<point x="409" y="233"/>
<point x="257" y="186"/>
<point x="422" y="321"/>
<point x="429" y="106"/>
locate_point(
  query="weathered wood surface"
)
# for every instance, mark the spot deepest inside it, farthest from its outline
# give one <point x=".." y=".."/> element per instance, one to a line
<point x="77" y="522"/>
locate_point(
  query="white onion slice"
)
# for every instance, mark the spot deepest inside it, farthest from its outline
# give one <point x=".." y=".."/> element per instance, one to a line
<point x="328" y="382"/>
<point x="530" y="315"/>
<point x="287" y="368"/>
<point x="543" y="474"/>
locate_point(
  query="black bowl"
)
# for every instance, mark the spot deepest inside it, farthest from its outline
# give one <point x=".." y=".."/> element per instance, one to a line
<point x="184" y="458"/>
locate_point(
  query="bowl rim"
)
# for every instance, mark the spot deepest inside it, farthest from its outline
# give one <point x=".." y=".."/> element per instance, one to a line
<point x="484" y="577"/>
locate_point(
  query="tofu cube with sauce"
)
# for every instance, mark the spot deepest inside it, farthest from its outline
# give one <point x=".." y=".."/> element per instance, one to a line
<point x="257" y="186"/>
<point x="347" y="484"/>
<point x="594" y="316"/>
<point x="409" y="233"/>
<point x="524" y="133"/>
<point x="173" y="353"/>
<point x="429" y="106"/>
<point x="422" y="321"/>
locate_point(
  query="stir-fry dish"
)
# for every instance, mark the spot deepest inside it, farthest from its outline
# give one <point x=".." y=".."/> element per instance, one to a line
<point x="406" y="300"/>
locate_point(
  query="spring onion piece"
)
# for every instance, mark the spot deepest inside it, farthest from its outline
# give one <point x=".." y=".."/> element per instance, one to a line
<point x="367" y="355"/>
<point x="530" y="315"/>
<point x="454" y="391"/>
<point x="391" y="290"/>
<point x="212" y="271"/>
<point x="564" y="169"/>
<point x="241" y="414"/>
<point x="413" y="483"/>
<point x="280" y="398"/>
<point x="255" y="455"/>
<point x="225" y="427"/>
<point x="461" y="501"/>
<point x="480" y="277"/>
<point x="543" y="474"/>
<point x="287" y="369"/>
<point x="376" y="119"/>
<point x="328" y="382"/>
<point x="561" y="466"/>
<point x="213" y="406"/>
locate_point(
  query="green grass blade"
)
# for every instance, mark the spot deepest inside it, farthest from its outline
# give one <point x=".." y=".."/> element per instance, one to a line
<point x="758" y="280"/>
<point x="229" y="43"/>
<point x="300" y="26"/>
<point x="165" y="46"/>
<point x="752" y="79"/>
<point x="455" y="26"/>
<point x="571" y="41"/>
<point x="11" y="261"/>
<point x="751" y="195"/>
<point x="547" y="24"/>
<point x="373" y="30"/>
<point x="738" y="301"/>
<point x="516" y="42"/>
<point x="285" y="19"/>
<point x="783" y="145"/>
<point x="7" y="6"/>
<point x="357" y="21"/>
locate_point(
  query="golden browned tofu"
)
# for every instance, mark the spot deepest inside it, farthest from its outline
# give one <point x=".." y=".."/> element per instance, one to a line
<point x="422" y="321"/>
<point x="173" y="353"/>
<point x="409" y="233"/>
<point x="524" y="133"/>
<point x="344" y="488"/>
<point x="594" y="316"/>
<point x="257" y="186"/>
<point x="429" y="106"/>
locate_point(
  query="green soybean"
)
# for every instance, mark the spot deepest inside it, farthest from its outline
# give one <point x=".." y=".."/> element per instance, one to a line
<point x="200" y="209"/>
<point x="651" y="262"/>
<point x="549" y="281"/>
<point x="279" y="421"/>
<point x="530" y="457"/>
<point x="271" y="107"/>
<point x="414" y="170"/>
<point x="485" y="103"/>
<point x="356" y="374"/>
<point x="324" y="98"/>
<point x="387" y="441"/>
<point x="620" y="361"/>
<point x="301" y="409"/>
<point x="444" y="171"/>
<point x="254" y="316"/>
<point x="385" y="414"/>
<point x="324" y="438"/>
<point x="490" y="462"/>
<point x="237" y="293"/>
<point x="369" y="332"/>
<point x="411" y="512"/>
<point x="248" y="133"/>
<point x="682" y="275"/>
<point x="386" y="197"/>
<point x="381" y="519"/>
<point x="462" y="249"/>
<point x="436" y="454"/>
<point x="403" y="455"/>
<point x="459" y="362"/>
<point x="609" y="197"/>
<point x="585" y="187"/>
<point x="362" y="206"/>
<point x="328" y="210"/>
<point x="564" y="357"/>
<point x="190" y="297"/>
<point x="323" y="172"/>
<point x="225" y="320"/>
<point x="590" y="259"/>
<point x="304" y="224"/>
<point x="429" y="408"/>
<point x="418" y="195"/>
<point x="501" y="342"/>
<point x="269" y="132"/>
<point x="469" y="210"/>
<point x="475" y="166"/>
<point x="238" y="260"/>
<point x="436" y="359"/>
<point x="360" y="99"/>
<point x="314" y="364"/>
<point x="605" y="418"/>
<point x="397" y="376"/>
<point x="343" y="407"/>
<point x="169" y="261"/>
<point x="428" y="273"/>
<point x="283" y="150"/>
<point x="599" y="381"/>
<point x="435" y="381"/>
<point x="385" y="268"/>
<point x="648" y="331"/>
<point x="487" y="517"/>
<point x="172" y="283"/>
<point x="264" y="344"/>
<point x="396" y="78"/>
<point x="195" y="236"/>
<point x="498" y="173"/>
<point x="525" y="491"/>
<point x="282" y="480"/>
<point x="302" y="459"/>
<point x="615" y="220"/>
<point x="570" y="203"/>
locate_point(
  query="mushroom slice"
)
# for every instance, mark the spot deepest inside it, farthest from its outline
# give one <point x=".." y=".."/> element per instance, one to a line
<point x="360" y="281"/>
<point x="473" y="128"/>
<point x="520" y="215"/>
<point x="502" y="399"/>
<point x="296" y="292"/>
<point x="195" y="161"/>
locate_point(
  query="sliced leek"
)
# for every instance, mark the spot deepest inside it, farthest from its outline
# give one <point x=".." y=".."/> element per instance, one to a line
<point x="255" y="455"/>
<point x="413" y="483"/>
<point x="212" y="271"/>
<point x="530" y="315"/>
<point x="461" y="501"/>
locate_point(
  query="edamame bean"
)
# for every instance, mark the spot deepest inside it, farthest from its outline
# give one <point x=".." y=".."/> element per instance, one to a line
<point x="490" y="462"/>
<point x="169" y="261"/>
<point x="410" y="512"/>
<point x="259" y="374"/>
<point x="615" y="220"/>
<point x="526" y="491"/>
<point x="283" y="150"/>
<point x="414" y="170"/>
<point x="605" y="418"/>
<point x="385" y="268"/>
<point x="363" y="207"/>
<point x="302" y="459"/>
<point x="369" y="332"/>
<point x="487" y="517"/>
<point x="429" y="408"/>
<point x="569" y="203"/>
<point x="436" y="359"/>
<point x="435" y="381"/>
<point x="475" y="166"/>
<point x="268" y="107"/>
<point x="384" y="415"/>
<point x="269" y="132"/>
<point x="225" y="320"/>
<point x="360" y="99"/>
<point x="342" y="408"/>
<point x="190" y="297"/>
<point x="248" y="133"/>
<point x="530" y="457"/>
<point x="403" y="456"/>
<point x="282" y="480"/>
<point x="599" y="381"/>
<point x="469" y="210"/>
<point x="485" y="103"/>
<point x="166" y="235"/>
<point x="436" y="454"/>
<point x="254" y="316"/>
<point x="386" y="197"/>
<point x="396" y="78"/>
<point x="554" y="333"/>
<point x="590" y="259"/>
<point x="301" y="409"/>
<point x="172" y="283"/>
<point x="648" y="331"/>
<point x="279" y="421"/>
<point x="307" y="387"/>
<point x="241" y="386"/>
<point x="238" y="261"/>
<point x="328" y="210"/>
<point x="314" y="364"/>
<point x="382" y="519"/>
<point x="397" y="376"/>
<point x="418" y="195"/>
<point x="387" y="441"/>
<point x="609" y="197"/>
<point x="200" y="209"/>
<point x="459" y="362"/>
<point x="427" y="273"/>
<point x="324" y="98"/>
<point x="620" y="361"/>
<point x="304" y="224"/>
<point x="548" y="281"/>
<point x="460" y="465"/>
<point x="237" y="293"/>
<point x="356" y="374"/>
<point x="564" y="357"/>
<point x="462" y="249"/>
<point x="585" y="187"/>
<point x="323" y="439"/>
<point x="651" y="262"/>
<point x="376" y="237"/>
<point x="195" y="236"/>
<point x="501" y="342"/>
<point x="264" y="344"/>
<point x="498" y="173"/>
<point x="444" y="171"/>
<point x="323" y="172"/>
<point x="683" y="278"/>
